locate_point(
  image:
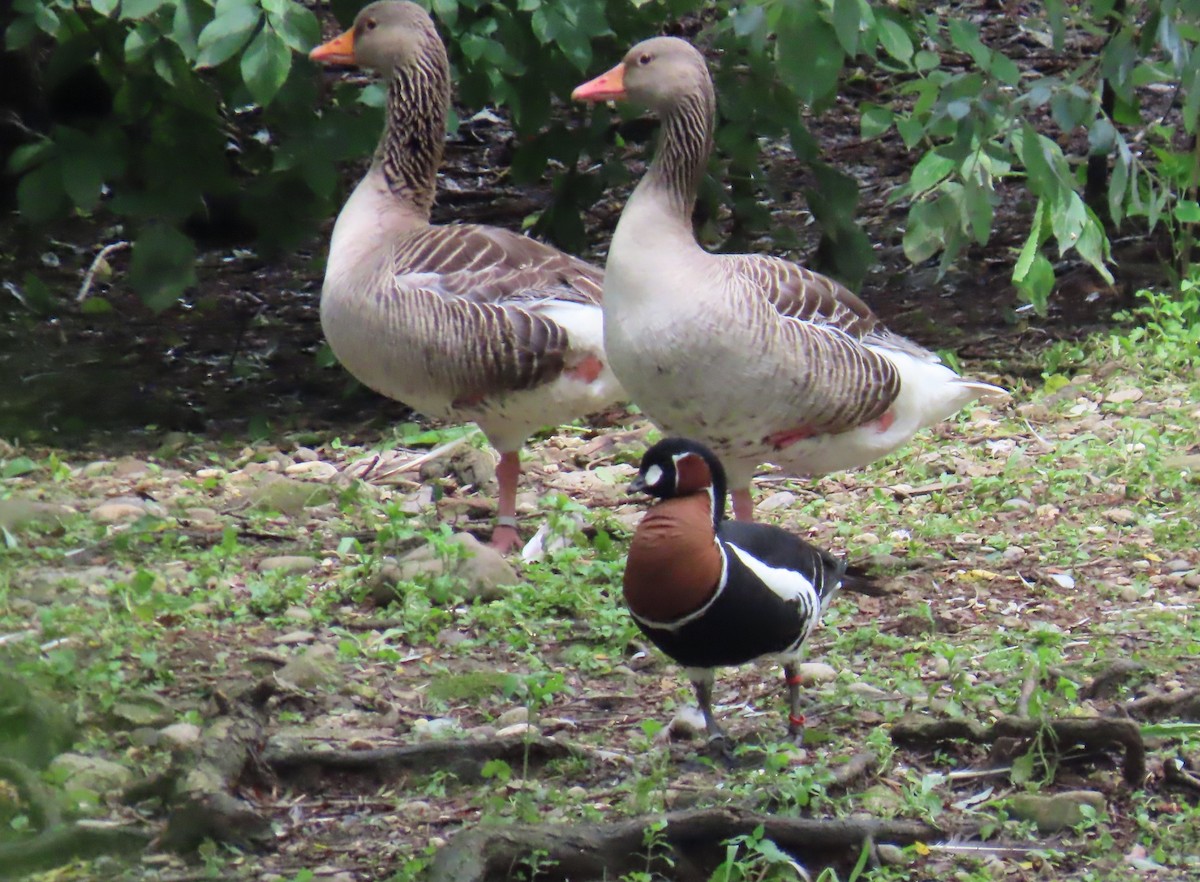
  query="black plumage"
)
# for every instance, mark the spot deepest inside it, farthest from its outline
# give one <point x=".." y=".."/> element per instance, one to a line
<point x="710" y="592"/>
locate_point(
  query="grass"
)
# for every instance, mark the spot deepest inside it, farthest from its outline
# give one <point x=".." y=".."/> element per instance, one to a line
<point x="1043" y="535"/>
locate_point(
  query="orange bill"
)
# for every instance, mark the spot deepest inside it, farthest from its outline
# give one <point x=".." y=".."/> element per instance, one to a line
<point x="608" y="86"/>
<point x="339" y="50"/>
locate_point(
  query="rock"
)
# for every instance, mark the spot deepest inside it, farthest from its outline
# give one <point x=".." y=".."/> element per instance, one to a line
<point x="469" y="465"/>
<point x="142" y="710"/>
<point x="201" y="515"/>
<point x="1192" y="580"/>
<point x="181" y="735"/>
<point x="882" y="801"/>
<point x="305" y="454"/>
<point x="49" y="584"/>
<point x="451" y="637"/>
<point x="286" y="495"/>
<point x="1123" y="395"/>
<point x="812" y="673"/>
<point x="1177" y="565"/>
<point x="298" y="614"/>
<point x="518" y="730"/>
<point x="1122" y="517"/>
<point x="782" y="499"/>
<point x="434" y="729"/>
<point x="576" y="792"/>
<point x="1057" y="811"/>
<point x="287" y="564"/>
<point x="891" y="855"/>
<point x="1016" y="504"/>
<point x="311" y="669"/>
<point x="16" y="513"/>
<point x="1012" y="554"/>
<point x="478" y="574"/>
<point x="314" y="470"/>
<point x="294" y="638"/>
<point x="77" y="771"/>
<point x="512" y="716"/>
<point x="687" y="724"/>
<point x="126" y="508"/>
<point x="129" y="467"/>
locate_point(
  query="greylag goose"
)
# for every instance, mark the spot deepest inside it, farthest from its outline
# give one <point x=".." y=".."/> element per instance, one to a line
<point x="710" y="592"/>
<point x="756" y="356"/>
<point x="460" y="322"/>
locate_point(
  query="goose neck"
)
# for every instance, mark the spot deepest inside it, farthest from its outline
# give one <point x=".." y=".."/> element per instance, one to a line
<point x="684" y="146"/>
<point x="410" y="151"/>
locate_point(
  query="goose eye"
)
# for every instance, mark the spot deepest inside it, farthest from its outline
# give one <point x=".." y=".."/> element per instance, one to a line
<point x="370" y="24"/>
<point x="644" y="59"/>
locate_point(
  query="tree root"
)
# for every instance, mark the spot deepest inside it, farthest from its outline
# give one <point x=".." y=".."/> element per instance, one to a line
<point x="1096" y="734"/>
<point x="66" y="842"/>
<point x="464" y="759"/>
<point x="1105" y="682"/>
<point x="1183" y="704"/>
<point x="687" y="848"/>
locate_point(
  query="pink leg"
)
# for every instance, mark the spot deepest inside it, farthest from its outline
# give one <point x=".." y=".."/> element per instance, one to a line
<point x="505" y="536"/>
<point x="743" y="505"/>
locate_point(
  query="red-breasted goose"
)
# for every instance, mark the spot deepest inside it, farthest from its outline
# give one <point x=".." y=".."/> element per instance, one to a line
<point x="758" y="357"/>
<point x="460" y="322"/>
<point x="710" y="592"/>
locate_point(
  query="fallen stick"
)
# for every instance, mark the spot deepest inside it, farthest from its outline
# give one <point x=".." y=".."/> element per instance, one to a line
<point x="464" y="759"/>
<point x="689" y="845"/>
<point x="1096" y="733"/>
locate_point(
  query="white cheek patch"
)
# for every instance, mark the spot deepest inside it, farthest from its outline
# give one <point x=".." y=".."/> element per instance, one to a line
<point x="653" y="476"/>
<point x="788" y="584"/>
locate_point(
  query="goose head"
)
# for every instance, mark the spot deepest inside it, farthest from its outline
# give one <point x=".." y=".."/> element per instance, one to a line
<point x="385" y="35"/>
<point x="677" y="467"/>
<point x="655" y="74"/>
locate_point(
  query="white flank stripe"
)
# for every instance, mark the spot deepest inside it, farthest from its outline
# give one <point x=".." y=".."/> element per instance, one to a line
<point x="788" y="584"/>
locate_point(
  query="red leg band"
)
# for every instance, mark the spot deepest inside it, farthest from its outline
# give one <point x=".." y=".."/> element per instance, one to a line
<point x="794" y="680"/>
<point x="796" y="720"/>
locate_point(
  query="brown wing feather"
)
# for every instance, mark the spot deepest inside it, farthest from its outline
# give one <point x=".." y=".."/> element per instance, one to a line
<point x="478" y="316"/>
<point x="801" y="294"/>
<point x="841" y="384"/>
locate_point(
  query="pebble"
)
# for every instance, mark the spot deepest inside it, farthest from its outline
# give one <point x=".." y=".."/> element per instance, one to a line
<point x="1012" y="553"/>
<point x="293" y="638"/>
<point x="1192" y="580"/>
<point x="287" y="564"/>
<point x="518" y="729"/>
<point x="209" y="473"/>
<point x="201" y="515"/>
<point x="181" y="734"/>
<point x="1122" y="517"/>
<point x="1178" y="565"/>
<point x="782" y="499"/>
<point x="125" y="508"/>
<point x="1130" y="593"/>
<point x="1016" y="504"/>
<point x="512" y="716"/>
<point x="314" y="470"/>
<point x="811" y="673"/>
<point x="298" y="614"/>
<point x="577" y="792"/>
<point x="438" y="727"/>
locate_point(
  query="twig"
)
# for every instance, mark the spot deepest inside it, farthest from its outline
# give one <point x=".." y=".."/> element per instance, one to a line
<point x="90" y="276"/>
<point x="1027" y="689"/>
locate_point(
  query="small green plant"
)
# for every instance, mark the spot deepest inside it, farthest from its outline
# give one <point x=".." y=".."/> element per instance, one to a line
<point x="754" y="858"/>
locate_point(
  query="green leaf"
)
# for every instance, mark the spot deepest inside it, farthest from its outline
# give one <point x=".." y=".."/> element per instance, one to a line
<point x="225" y="35"/>
<point x="929" y="172"/>
<point x="1005" y="69"/>
<point x="20" y="33"/>
<point x="875" y="120"/>
<point x="190" y="16"/>
<point x="965" y="37"/>
<point x="808" y="56"/>
<point x="1022" y="768"/>
<point x="1101" y="137"/>
<point x="847" y="22"/>
<point x="140" y="40"/>
<point x="297" y="26"/>
<point x="1093" y="247"/>
<point x="895" y="39"/>
<point x="265" y="65"/>
<point x="1032" y="243"/>
<point x="28" y="155"/>
<point x="911" y="129"/>
<point x="104" y="7"/>
<point x="14" y="468"/>
<point x="1118" y="184"/>
<point x="138" y="9"/>
<point x="923" y="234"/>
<point x="980" y="212"/>
<point x="163" y="266"/>
<point x="40" y="194"/>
